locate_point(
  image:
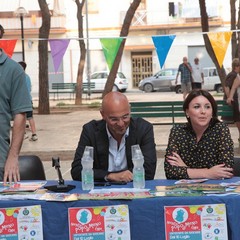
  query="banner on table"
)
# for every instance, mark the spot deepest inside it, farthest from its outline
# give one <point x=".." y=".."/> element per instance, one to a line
<point x="196" y="222"/>
<point x="8" y="46"/>
<point x="99" y="223"/>
<point x="110" y="48"/>
<point x="21" y="223"/>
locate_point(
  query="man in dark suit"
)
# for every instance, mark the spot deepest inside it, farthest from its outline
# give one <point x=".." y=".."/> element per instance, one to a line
<point x="112" y="138"/>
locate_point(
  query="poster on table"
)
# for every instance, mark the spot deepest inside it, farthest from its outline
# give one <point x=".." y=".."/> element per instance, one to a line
<point x="99" y="223"/>
<point x="21" y="223"/>
<point x="196" y="222"/>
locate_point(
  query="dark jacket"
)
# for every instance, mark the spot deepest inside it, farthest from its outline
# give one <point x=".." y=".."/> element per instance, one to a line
<point x="94" y="134"/>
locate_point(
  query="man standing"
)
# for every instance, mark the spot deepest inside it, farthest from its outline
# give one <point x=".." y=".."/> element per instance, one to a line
<point x="197" y="75"/>
<point x="185" y="69"/>
<point x="112" y="138"/>
<point x="29" y="114"/>
<point x="15" y="102"/>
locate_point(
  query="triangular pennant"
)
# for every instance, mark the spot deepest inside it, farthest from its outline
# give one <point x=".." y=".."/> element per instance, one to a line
<point x="162" y="45"/>
<point x="110" y="49"/>
<point x="219" y="42"/>
<point x="8" y="46"/>
<point x="58" y="49"/>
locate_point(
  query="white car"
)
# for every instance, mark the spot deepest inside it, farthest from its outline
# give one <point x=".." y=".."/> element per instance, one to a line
<point x="100" y="79"/>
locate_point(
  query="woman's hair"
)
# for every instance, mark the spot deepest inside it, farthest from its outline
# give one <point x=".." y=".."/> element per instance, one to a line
<point x="199" y="92"/>
<point x="235" y="63"/>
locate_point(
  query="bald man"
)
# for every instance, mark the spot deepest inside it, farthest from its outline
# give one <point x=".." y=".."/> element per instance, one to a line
<point x="112" y="138"/>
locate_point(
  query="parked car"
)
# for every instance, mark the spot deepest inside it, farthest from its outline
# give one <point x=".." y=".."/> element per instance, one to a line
<point x="100" y="79"/>
<point x="165" y="80"/>
<point x="211" y="81"/>
<point x="162" y="80"/>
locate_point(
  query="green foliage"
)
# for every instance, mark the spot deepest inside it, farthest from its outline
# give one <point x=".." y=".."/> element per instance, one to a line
<point x="94" y="105"/>
<point x="61" y="104"/>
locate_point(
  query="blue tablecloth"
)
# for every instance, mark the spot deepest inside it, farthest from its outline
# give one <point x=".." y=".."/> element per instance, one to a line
<point x="146" y="215"/>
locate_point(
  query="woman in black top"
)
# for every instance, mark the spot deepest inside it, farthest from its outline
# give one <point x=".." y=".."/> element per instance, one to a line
<point x="201" y="148"/>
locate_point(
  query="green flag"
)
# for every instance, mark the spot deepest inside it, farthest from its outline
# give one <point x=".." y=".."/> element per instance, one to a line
<point x="110" y="49"/>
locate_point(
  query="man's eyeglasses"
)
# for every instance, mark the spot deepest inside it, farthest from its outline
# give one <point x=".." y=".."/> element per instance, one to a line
<point x="124" y="118"/>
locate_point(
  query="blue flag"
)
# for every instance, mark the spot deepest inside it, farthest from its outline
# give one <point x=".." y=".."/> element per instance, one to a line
<point x="162" y="45"/>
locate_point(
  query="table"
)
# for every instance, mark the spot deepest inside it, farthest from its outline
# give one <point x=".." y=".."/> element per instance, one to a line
<point x="146" y="215"/>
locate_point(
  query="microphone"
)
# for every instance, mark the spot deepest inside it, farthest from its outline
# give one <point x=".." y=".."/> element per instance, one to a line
<point x="60" y="187"/>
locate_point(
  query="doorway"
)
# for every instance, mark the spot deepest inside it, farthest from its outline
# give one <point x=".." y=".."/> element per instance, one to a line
<point x="141" y="66"/>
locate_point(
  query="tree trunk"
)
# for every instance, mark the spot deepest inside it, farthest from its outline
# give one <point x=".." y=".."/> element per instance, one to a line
<point x="205" y="28"/>
<point x="44" y="31"/>
<point x="124" y="32"/>
<point x="233" y="27"/>
<point x="238" y="33"/>
<point x="81" y="64"/>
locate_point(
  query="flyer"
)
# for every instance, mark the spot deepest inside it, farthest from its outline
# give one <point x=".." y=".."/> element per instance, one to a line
<point x="28" y="186"/>
<point x="196" y="222"/>
<point x="189" y="190"/>
<point x="21" y="223"/>
<point x="99" y="223"/>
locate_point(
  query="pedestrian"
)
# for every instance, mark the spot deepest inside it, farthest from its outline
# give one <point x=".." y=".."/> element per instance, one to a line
<point x="185" y="69"/>
<point x="203" y="147"/>
<point x="1" y="31"/>
<point x="197" y="74"/>
<point x="232" y="85"/>
<point x="15" y="102"/>
<point x="112" y="138"/>
<point x="30" y="113"/>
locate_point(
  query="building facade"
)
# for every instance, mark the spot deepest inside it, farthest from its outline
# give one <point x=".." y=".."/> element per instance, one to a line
<point x="105" y="19"/>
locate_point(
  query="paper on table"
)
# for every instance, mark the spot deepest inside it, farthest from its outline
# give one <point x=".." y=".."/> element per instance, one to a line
<point x="28" y="186"/>
<point x="182" y="181"/>
<point x="232" y="184"/>
<point x="108" y="190"/>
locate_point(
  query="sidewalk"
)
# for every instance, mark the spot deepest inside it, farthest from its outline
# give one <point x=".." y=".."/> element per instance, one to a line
<point x="58" y="135"/>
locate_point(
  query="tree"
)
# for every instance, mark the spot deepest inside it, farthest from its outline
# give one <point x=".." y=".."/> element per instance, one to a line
<point x="233" y="27"/>
<point x="205" y="28"/>
<point x="78" y="99"/>
<point x="124" y="32"/>
<point x="238" y="34"/>
<point x="44" y="31"/>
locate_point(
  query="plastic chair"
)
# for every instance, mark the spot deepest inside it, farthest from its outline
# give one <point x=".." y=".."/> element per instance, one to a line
<point x="236" y="166"/>
<point x="31" y="168"/>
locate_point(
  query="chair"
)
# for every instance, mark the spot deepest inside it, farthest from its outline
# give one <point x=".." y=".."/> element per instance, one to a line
<point x="236" y="166"/>
<point x="31" y="168"/>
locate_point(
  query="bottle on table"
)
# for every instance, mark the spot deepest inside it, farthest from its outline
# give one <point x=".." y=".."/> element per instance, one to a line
<point x="87" y="169"/>
<point x="138" y="169"/>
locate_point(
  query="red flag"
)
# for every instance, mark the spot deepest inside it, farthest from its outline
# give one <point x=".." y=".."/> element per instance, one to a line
<point x="8" y="46"/>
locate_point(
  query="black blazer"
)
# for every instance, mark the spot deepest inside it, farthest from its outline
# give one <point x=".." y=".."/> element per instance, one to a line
<point x="94" y="134"/>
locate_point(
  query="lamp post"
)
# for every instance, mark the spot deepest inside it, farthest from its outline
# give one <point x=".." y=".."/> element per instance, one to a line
<point x="21" y="12"/>
<point x="88" y="53"/>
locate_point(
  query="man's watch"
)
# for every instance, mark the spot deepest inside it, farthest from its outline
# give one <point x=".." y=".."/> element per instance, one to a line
<point x="105" y="178"/>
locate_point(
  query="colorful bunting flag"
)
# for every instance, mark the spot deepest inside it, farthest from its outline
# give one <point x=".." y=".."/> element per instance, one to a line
<point x="58" y="49"/>
<point x="8" y="46"/>
<point x="162" y="45"/>
<point x="219" y="42"/>
<point x="110" y="49"/>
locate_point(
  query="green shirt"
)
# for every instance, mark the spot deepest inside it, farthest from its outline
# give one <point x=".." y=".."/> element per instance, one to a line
<point x="14" y="99"/>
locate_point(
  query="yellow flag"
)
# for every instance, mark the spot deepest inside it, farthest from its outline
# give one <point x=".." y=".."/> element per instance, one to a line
<point x="219" y="42"/>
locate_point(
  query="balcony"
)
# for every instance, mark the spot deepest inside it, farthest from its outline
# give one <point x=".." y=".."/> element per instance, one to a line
<point x="154" y="20"/>
<point x="32" y="23"/>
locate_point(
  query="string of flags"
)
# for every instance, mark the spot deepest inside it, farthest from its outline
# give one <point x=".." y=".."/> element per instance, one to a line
<point x="110" y="46"/>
